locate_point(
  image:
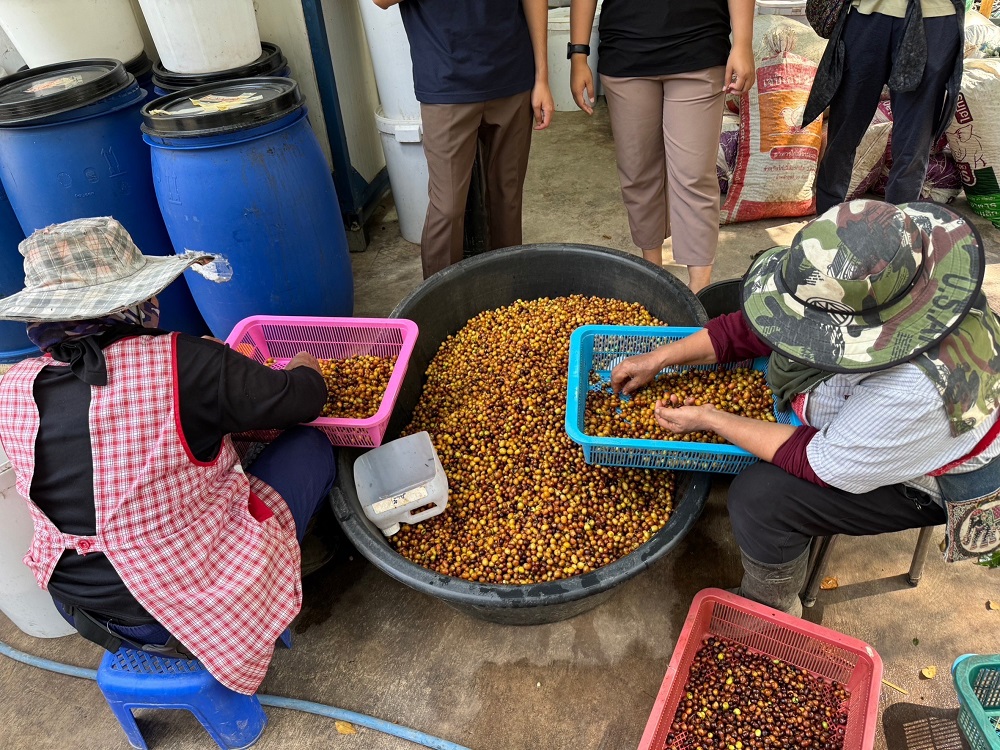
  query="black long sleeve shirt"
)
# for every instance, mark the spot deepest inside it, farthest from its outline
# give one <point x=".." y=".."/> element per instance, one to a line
<point x="220" y="392"/>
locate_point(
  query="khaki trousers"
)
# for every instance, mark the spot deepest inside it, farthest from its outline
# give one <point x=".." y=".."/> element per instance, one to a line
<point x="670" y="125"/>
<point x="451" y="132"/>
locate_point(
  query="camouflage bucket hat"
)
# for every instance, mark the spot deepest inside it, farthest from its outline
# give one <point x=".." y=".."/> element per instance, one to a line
<point x="88" y="268"/>
<point x="866" y="286"/>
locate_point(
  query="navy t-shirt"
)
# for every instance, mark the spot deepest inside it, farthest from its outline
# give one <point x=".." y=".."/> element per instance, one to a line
<point x="468" y="51"/>
<point x="662" y="37"/>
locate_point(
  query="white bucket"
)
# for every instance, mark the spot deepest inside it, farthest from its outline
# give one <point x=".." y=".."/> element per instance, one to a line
<point x="390" y="51"/>
<point x="407" y="167"/>
<point x="559" y="66"/>
<point x="796" y="8"/>
<point x="52" y="31"/>
<point x="27" y="606"/>
<point x="203" y="37"/>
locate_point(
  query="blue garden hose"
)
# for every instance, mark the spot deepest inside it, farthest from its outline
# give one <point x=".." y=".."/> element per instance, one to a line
<point x="320" y="709"/>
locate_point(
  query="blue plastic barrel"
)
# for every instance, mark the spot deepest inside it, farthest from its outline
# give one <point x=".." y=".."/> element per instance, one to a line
<point x="239" y="172"/>
<point x="71" y="148"/>
<point x="14" y="343"/>
<point x="142" y="68"/>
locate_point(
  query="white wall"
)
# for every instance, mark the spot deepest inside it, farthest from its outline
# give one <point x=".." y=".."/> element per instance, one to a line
<point x="10" y="60"/>
<point x="356" y="82"/>
<point x="283" y="23"/>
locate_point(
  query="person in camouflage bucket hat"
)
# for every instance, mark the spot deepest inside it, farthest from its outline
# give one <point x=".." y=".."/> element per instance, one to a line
<point x="866" y="285"/>
<point x="880" y="340"/>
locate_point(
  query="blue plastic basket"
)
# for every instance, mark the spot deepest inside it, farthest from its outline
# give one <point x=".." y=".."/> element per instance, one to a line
<point x="977" y="681"/>
<point x="597" y="349"/>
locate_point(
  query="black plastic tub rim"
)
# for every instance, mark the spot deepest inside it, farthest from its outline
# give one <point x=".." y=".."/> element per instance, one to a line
<point x="472" y="593"/>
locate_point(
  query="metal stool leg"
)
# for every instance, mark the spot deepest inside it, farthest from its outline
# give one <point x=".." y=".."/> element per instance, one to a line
<point x="920" y="556"/>
<point x="820" y="554"/>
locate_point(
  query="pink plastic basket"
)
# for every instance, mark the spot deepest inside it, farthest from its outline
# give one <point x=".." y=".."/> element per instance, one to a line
<point x="280" y="338"/>
<point x="818" y="650"/>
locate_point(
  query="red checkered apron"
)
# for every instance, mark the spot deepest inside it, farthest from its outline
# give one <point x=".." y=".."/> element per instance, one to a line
<point x="179" y="532"/>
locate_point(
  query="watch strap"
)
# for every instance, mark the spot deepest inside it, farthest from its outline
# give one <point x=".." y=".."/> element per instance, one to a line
<point x="577" y="49"/>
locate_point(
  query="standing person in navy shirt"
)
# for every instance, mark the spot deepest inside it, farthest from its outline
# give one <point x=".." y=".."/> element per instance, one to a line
<point x="480" y="72"/>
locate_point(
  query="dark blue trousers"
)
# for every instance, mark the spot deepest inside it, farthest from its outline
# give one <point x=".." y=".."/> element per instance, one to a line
<point x="870" y="44"/>
<point x="301" y="466"/>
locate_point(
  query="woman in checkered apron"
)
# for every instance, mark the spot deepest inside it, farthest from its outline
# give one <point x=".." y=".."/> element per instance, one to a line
<point x="148" y="531"/>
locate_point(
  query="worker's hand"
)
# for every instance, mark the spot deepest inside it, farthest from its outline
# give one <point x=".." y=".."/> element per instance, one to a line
<point x="303" y="359"/>
<point x="683" y="419"/>
<point x="635" y="372"/>
<point x="581" y="83"/>
<point x="542" y="104"/>
<point x="740" y="71"/>
<point x="212" y="338"/>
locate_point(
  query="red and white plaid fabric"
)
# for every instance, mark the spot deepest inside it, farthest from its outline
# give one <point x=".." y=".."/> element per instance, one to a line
<point x="178" y="531"/>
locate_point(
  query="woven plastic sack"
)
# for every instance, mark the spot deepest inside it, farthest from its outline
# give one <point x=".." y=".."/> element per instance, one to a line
<point x="729" y="141"/>
<point x="982" y="37"/>
<point x="944" y="180"/>
<point x="775" y="173"/>
<point x="974" y="137"/>
<point x="804" y="42"/>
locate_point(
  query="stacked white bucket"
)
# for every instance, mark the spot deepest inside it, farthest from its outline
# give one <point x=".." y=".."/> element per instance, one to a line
<point x="52" y="31"/>
<point x="398" y="119"/>
<point x="27" y="606"/>
<point x="202" y="37"/>
<point x="559" y="66"/>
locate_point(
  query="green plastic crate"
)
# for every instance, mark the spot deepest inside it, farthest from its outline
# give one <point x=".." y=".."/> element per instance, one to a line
<point x="977" y="680"/>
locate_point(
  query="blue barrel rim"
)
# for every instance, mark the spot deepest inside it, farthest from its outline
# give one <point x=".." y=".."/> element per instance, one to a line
<point x="24" y="113"/>
<point x="279" y="97"/>
<point x="226" y="137"/>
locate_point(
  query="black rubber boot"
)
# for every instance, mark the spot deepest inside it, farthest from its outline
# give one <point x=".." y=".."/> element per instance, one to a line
<point x="776" y="586"/>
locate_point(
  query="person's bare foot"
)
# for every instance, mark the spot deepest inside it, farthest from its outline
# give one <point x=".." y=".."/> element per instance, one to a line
<point x="699" y="277"/>
<point x="654" y="256"/>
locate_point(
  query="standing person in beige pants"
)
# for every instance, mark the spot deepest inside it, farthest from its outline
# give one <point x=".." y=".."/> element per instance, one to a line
<point x="480" y="72"/>
<point x="666" y="67"/>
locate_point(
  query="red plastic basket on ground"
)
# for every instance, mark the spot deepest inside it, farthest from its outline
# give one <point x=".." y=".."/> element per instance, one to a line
<point x="280" y="338"/>
<point x="820" y="651"/>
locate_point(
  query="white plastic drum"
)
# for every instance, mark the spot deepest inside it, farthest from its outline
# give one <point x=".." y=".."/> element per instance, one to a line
<point x="559" y="66"/>
<point x="203" y="37"/>
<point x="390" y="51"/>
<point x="27" y="606"/>
<point x="52" y="31"/>
<point x="407" y="166"/>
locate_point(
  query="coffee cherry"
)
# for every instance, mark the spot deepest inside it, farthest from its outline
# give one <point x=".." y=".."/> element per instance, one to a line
<point x="740" y="391"/>
<point x="737" y="699"/>
<point x="524" y="507"/>
<point x="355" y="386"/>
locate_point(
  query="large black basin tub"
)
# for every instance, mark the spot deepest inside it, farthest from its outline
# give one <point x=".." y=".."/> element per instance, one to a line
<point x="444" y="304"/>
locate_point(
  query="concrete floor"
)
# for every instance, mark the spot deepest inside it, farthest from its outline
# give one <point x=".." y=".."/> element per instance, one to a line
<point x="367" y="643"/>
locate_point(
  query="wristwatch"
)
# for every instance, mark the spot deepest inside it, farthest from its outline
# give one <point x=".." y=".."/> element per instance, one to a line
<point x="577" y="49"/>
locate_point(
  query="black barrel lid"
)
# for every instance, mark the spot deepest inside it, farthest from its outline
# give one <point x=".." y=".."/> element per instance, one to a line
<point x="218" y="108"/>
<point x="140" y="65"/>
<point x="270" y="62"/>
<point x="54" y="89"/>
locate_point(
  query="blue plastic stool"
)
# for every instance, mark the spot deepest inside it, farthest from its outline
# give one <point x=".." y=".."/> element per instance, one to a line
<point x="137" y="679"/>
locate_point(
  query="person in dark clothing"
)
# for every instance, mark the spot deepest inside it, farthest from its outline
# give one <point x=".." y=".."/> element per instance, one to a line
<point x="666" y="68"/>
<point x="480" y="71"/>
<point x="880" y="340"/>
<point x="914" y="47"/>
<point x="147" y="529"/>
